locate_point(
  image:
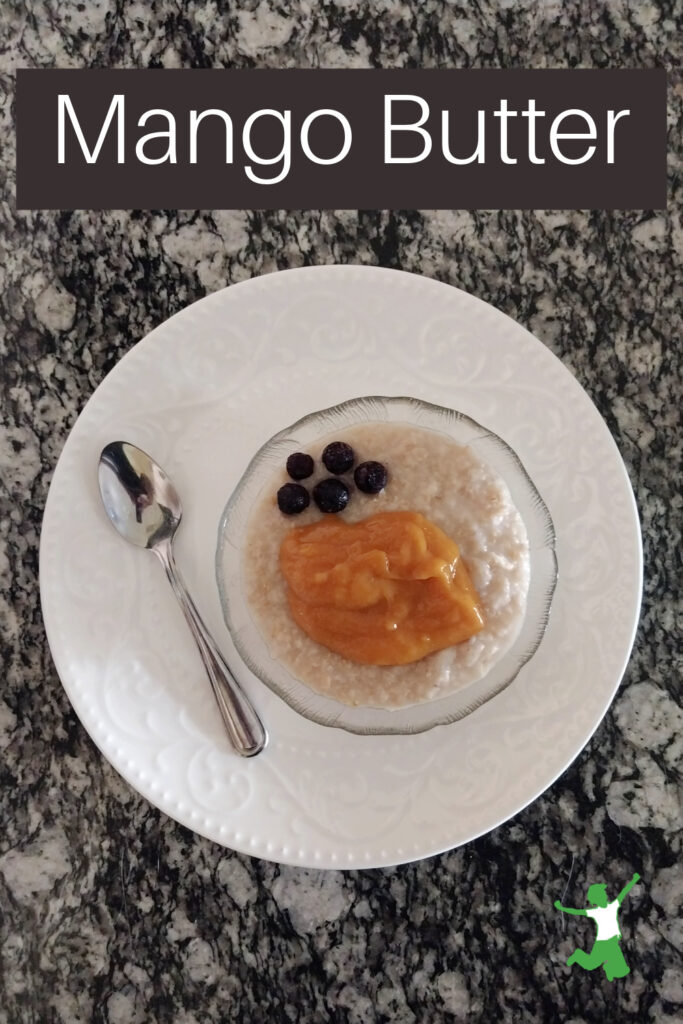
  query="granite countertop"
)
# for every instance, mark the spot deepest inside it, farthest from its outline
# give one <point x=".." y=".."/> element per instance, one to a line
<point x="110" y="911"/>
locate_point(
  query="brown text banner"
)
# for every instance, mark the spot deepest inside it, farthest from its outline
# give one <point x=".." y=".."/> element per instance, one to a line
<point x="419" y="139"/>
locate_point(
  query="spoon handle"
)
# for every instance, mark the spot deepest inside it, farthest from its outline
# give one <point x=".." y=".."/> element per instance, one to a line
<point x="244" y="727"/>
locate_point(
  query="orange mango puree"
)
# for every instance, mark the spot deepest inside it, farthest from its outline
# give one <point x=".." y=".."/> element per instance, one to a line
<point x="387" y="590"/>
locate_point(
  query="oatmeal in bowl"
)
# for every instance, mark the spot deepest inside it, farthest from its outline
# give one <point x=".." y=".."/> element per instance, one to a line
<point x="386" y="565"/>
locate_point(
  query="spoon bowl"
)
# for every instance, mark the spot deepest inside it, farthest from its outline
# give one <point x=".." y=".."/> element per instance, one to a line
<point x="138" y="496"/>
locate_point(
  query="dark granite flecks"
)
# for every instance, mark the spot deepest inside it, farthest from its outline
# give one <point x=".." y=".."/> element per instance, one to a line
<point x="109" y="911"/>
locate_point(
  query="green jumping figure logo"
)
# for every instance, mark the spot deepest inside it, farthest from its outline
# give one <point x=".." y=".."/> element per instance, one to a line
<point x="606" y="951"/>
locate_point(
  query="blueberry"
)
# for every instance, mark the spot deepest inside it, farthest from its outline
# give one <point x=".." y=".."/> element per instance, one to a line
<point x="370" y="477"/>
<point x="292" y="499"/>
<point x="299" y="466"/>
<point x="331" y="495"/>
<point x="338" y="457"/>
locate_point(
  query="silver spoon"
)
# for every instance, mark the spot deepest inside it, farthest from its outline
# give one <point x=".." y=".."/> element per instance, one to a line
<point x="144" y="506"/>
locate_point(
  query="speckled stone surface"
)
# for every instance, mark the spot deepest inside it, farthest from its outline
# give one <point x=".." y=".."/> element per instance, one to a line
<point x="111" y="912"/>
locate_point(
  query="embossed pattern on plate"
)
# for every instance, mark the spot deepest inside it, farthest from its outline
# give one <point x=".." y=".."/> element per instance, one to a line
<point x="220" y="378"/>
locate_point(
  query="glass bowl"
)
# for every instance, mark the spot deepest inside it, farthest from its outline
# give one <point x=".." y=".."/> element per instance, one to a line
<point x="491" y="449"/>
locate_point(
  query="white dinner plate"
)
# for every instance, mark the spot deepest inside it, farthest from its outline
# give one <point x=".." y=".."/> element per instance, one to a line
<point x="201" y="394"/>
